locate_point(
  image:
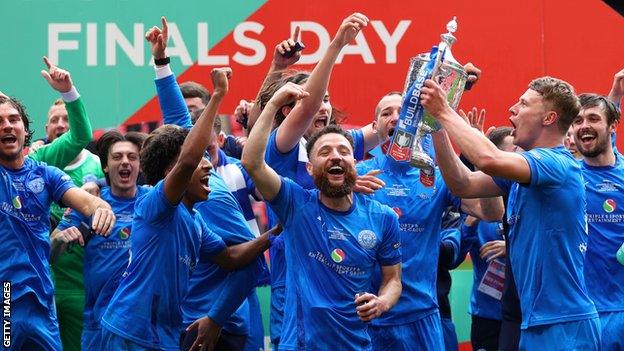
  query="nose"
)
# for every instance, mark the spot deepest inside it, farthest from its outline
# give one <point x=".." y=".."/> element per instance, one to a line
<point x="5" y="124"/>
<point x="514" y="109"/>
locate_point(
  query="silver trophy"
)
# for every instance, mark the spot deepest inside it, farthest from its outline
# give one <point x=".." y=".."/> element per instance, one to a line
<point x="452" y="79"/>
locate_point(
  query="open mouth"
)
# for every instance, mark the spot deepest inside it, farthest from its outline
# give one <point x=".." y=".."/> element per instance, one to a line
<point x="391" y="132"/>
<point x="336" y="170"/>
<point x="204" y="181"/>
<point x="8" y="139"/>
<point x="321" y="122"/>
<point x="124" y="174"/>
<point x="587" y="136"/>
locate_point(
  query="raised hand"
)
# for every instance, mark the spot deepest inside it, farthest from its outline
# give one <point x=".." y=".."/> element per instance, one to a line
<point x="59" y="79"/>
<point x="220" y="78"/>
<point x="285" y="46"/>
<point x="617" y="89"/>
<point x="158" y="38"/>
<point x="433" y="98"/>
<point x="473" y="75"/>
<point x="350" y="28"/>
<point x="288" y="93"/>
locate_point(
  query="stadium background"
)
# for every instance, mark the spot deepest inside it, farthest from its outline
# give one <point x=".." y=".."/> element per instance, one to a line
<point x="101" y="43"/>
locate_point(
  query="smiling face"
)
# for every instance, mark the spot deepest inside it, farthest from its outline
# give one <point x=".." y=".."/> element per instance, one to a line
<point x="12" y="133"/>
<point x="387" y="114"/>
<point x="123" y="166"/>
<point x="198" y="188"/>
<point x="526" y="117"/>
<point x="321" y="118"/>
<point x="332" y="165"/>
<point x="592" y="133"/>
<point x="57" y="123"/>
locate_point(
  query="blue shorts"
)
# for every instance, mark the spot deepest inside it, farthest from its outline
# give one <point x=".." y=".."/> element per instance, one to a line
<point x="91" y="339"/>
<point x="114" y="342"/>
<point x="33" y="326"/>
<point x="423" y="334"/>
<point x="576" y="335"/>
<point x="450" y="336"/>
<point x="612" y="324"/>
<point x="278" y="298"/>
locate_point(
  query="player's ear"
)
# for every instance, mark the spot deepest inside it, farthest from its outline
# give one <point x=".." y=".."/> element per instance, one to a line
<point x="309" y="168"/>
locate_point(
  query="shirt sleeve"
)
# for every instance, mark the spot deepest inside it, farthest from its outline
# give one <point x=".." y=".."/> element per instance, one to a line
<point x="547" y="169"/>
<point x="154" y="206"/>
<point x="60" y="182"/>
<point x="283" y="204"/>
<point x="389" y="252"/>
<point x="211" y="243"/>
<point x="279" y="161"/>
<point x="64" y="149"/>
<point x="172" y="103"/>
<point x="358" y="144"/>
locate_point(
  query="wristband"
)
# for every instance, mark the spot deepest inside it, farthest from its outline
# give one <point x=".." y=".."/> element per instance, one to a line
<point x="162" y="61"/>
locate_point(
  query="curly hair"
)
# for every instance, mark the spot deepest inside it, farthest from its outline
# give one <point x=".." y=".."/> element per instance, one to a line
<point x="21" y="109"/>
<point x="160" y="151"/>
<point x="330" y="129"/>
<point x="109" y="138"/>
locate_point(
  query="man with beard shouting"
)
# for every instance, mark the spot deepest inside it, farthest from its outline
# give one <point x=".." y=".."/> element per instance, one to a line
<point x="334" y="239"/>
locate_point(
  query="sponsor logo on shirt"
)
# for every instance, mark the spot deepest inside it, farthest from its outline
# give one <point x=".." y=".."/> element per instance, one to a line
<point x="17" y="202"/>
<point x="124" y="233"/>
<point x="336" y="234"/>
<point x="609" y="205"/>
<point x="367" y="239"/>
<point x="607" y="186"/>
<point x="411" y="227"/>
<point x="338" y="255"/>
<point x="397" y="190"/>
<point x="338" y="268"/>
<point x="36" y="185"/>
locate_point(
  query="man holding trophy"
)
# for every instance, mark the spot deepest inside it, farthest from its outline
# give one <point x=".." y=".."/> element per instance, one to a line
<point x="547" y="253"/>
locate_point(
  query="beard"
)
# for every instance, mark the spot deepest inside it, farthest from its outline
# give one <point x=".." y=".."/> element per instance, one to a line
<point x="600" y="146"/>
<point x="335" y="191"/>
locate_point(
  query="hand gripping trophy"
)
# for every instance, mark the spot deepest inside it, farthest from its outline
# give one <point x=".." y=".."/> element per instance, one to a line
<point x="414" y="122"/>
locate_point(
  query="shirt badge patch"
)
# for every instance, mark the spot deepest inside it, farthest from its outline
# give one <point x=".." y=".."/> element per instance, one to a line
<point x="367" y="239"/>
<point x="36" y="185"/>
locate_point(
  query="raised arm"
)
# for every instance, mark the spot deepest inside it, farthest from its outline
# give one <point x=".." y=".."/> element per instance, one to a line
<point x="196" y="142"/>
<point x="64" y="149"/>
<point x="617" y="89"/>
<point x="267" y="182"/>
<point x="473" y="144"/>
<point x="278" y="66"/>
<point x="300" y="118"/>
<point x="170" y="97"/>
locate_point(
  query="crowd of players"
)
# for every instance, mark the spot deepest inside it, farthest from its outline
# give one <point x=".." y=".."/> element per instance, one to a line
<point x="355" y="237"/>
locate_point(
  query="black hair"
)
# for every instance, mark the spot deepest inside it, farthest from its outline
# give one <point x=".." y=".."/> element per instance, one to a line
<point x="160" y="150"/>
<point x="109" y="138"/>
<point x="21" y="109"/>
<point x="330" y="129"/>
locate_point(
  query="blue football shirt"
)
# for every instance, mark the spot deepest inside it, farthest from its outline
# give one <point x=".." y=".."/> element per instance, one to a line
<point x="168" y="242"/>
<point x="605" y="196"/>
<point x="331" y="257"/>
<point x="106" y="258"/>
<point x="548" y="239"/>
<point x="25" y="198"/>
<point x="420" y="210"/>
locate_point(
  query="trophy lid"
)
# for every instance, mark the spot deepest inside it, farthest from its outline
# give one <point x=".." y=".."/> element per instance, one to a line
<point x="448" y="39"/>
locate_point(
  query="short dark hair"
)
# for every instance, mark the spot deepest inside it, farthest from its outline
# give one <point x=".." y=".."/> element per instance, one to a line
<point x="499" y="134"/>
<point x="297" y="77"/>
<point x="217" y="126"/>
<point x="396" y="92"/>
<point x="330" y="129"/>
<point x="560" y="96"/>
<point x="589" y="100"/>
<point x="160" y="150"/>
<point x="21" y="109"/>
<point x="192" y="89"/>
<point x="109" y="138"/>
